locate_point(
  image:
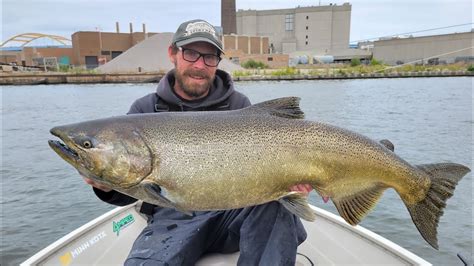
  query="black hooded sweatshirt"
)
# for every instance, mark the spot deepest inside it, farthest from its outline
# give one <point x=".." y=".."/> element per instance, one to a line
<point x="221" y="97"/>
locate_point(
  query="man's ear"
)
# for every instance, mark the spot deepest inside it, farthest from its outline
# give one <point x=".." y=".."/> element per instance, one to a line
<point x="171" y="55"/>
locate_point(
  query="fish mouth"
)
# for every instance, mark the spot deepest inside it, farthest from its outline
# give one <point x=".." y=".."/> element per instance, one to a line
<point x="63" y="150"/>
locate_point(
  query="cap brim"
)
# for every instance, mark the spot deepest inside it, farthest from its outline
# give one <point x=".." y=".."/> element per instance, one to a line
<point x="198" y="39"/>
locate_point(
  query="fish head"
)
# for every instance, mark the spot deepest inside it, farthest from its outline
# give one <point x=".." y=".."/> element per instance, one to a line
<point x="110" y="153"/>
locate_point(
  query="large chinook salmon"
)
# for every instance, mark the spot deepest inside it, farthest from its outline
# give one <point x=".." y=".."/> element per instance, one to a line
<point x="233" y="159"/>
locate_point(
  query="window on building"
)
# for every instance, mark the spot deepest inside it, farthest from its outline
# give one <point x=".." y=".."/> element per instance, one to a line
<point x="105" y="52"/>
<point x="307" y="17"/>
<point x="91" y="62"/>
<point x="289" y="21"/>
<point x="306" y="36"/>
<point x="116" y="53"/>
<point x="306" y="42"/>
<point x="270" y="59"/>
<point x="306" y="27"/>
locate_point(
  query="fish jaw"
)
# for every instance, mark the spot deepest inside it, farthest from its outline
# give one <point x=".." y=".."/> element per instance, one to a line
<point x="65" y="150"/>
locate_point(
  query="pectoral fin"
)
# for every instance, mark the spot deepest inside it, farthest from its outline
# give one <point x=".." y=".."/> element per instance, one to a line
<point x="297" y="203"/>
<point x="355" y="207"/>
<point x="155" y="192"/>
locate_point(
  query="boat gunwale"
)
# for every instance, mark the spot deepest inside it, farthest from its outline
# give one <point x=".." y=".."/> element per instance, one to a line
<point x="362" y="232"/>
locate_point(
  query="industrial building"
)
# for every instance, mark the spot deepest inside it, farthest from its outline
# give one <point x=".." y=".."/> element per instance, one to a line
<point x="446" y="48"/>
<point x="96" y="48"/>
<point x="322" y="29"/>
<point x="307" y="32"/>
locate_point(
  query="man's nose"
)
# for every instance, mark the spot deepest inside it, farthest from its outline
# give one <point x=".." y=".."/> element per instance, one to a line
<point x="200" y="63"/>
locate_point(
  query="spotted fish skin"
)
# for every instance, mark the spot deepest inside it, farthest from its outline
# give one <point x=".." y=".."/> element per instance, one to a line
<point x="233" y="159"/>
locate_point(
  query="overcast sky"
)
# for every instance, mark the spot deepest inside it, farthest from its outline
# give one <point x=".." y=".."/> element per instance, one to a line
<point x="370" y="18"/>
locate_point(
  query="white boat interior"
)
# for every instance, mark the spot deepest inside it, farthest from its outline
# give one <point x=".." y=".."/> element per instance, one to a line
<point x="107" y="240"/>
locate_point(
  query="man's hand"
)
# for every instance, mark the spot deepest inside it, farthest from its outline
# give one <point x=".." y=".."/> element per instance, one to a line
<point x="96" y="185"/>
<point x="303" y="188"/>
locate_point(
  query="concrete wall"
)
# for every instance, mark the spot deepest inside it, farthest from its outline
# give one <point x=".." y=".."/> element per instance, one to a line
<point x="229" y="42"/>
<point x="29" y="53"/>
<point x="324" y="29"/>
<point x="247" y="44"/>
<point x="243" y="44"/>
<point x="7" y="57"/>
<point x="247" y="22"/>
<point x="412" y="49"/>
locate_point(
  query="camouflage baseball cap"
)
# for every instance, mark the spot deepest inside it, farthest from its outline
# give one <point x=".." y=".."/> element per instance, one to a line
<point x="197" y="30"/>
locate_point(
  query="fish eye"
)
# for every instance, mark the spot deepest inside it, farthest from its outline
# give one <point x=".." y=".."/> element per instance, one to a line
<point x="87" y="144"/>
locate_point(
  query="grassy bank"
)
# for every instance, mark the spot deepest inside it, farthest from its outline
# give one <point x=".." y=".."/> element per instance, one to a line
<point x="357" y="70"/>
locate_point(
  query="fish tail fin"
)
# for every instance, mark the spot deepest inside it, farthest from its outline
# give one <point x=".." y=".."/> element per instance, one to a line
<point x="427" y="212"/>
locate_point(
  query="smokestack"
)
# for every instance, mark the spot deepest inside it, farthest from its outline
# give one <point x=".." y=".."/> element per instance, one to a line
<point x="131" y="27"/>
<point x="117" y="28"/>
<point x="228" y="17"/>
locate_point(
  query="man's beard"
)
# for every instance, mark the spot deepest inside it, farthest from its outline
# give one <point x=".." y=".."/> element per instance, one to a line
<point x="192" y="89"/>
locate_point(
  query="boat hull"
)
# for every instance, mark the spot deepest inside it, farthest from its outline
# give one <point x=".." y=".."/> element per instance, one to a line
<point x="331" y="241"/>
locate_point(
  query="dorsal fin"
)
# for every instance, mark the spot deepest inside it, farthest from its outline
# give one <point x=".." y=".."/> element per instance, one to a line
<point x="287" y="107"/>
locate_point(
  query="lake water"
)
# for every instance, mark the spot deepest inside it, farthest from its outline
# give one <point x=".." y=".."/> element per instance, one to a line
<point x="428" y="119"/>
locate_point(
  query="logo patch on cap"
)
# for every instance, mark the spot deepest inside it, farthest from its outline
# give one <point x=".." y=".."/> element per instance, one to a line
<point x="200" y="26"/>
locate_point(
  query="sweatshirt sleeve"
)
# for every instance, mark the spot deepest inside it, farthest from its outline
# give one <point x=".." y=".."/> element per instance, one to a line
<point x="246" y="102"/>
<point x="134" y="109"/>
<point x="114" y="197"/>
<point x="238" y="101"/>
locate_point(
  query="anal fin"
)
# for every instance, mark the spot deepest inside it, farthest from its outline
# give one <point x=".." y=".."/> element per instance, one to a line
<point x="355" y="207"/>
<point x="297" y="203"/>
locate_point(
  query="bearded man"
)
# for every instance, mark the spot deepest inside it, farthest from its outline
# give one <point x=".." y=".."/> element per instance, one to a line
<point x="266" y="234"/>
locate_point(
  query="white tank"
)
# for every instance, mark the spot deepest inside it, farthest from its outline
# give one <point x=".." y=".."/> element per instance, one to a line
<point x="323" y="59"/>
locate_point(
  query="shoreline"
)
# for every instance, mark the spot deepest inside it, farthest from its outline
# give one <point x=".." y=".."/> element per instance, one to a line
<point x="424" y="74"/>
<point x="81" y="78"/>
